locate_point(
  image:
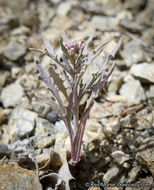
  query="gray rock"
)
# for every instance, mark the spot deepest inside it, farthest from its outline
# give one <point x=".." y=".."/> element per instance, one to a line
<point x="52" y="117"/>
<point x="104" y="22"/>
<point x="146" y="16"/>
<point x="4" y="150"/>
<point x="21" y="122"/>
<point x="15" y="177"/>
<point x="93" y="159"/>
<point x="120" y="157"/>
<point x="20" y="146"/>
<point x="29" y="18"/>
<point x="111" y="174"/>
<point x="143" y="71"/>
<point x="133" y="53"/>
<point x="132" y="90"/>
<point x="135" y="6"/>
<point x="14" y="51"/>
<point x="11" y="95"/>
<point x="130" y="25"/>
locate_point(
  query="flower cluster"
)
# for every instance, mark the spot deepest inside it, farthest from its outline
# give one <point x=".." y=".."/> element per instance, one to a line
<point x="73" y="46"/>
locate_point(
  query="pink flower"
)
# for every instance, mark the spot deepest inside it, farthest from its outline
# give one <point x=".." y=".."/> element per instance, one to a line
<point x="73" y="46"/>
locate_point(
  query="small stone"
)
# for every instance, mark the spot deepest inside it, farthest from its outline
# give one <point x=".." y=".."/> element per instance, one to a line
<point x="115" y="84"/>
<point x="52" y="117"/>
<point x="130" y="25"/>
<point x="20" y="146"/>
<point x="120" y="157"/>
<point x="43" y="126"/>
<point x="42" y="158"/>
<point x="15" y="177"/>
<point x="63" y="8"/>
<point x="132" y="90"/>
<point x="146" y="158"/>
<point x="117" y="108"/>
<point x="29" y="18"/>
<point x="111" y="174"/>
<point x="21" y="122"/>
<point x="143" y="71"/>
<point x="132" y="53"/>
<point x="14" y="51"/>
<point x="112" y="125"/>
<point x="11" y="95"/>
<point x="104" y="22"/>
<point x="44" y="141"/>
<point x="15" y="71"/>
<point x="100" y="110"/>
<point x="60" y="126"/>
<point x="59" y="147"/>
<point x="133" y="174"/>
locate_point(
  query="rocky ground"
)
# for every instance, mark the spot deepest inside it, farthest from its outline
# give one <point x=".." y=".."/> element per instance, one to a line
<point x="118" y="142"/>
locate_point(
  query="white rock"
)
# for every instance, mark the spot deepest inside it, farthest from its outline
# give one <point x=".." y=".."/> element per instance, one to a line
<point x="21" y="122"/>
<point x="132" y="90"/>
<point x="11" y="95"/>
<point x="143" y="71"/>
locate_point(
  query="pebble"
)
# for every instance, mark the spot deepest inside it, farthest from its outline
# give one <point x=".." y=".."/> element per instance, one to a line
<point x="21" y="122"/>
<point x="63" y="8"/>
<point x="14" y="51"/>
<point x="111" y="125"/>
<point x="52" y="117"/>
<point x="11" y="95"/>
<point x="43" y="126"/>
<point x="144" y="72"/>
<point x="132" y="53"/>
<point x="111" y="174"/>
<point x="133" y="174"/>
<point x="43" y="141"/>
<point x="100" y="110"/>
<point x="103" y="23"/>
<point x="120" y="157"/>
<point x="132" y="90"/>
<point x="146" y="158"/>
<point x="15" y="177"/>
<point x="131" y="25"/>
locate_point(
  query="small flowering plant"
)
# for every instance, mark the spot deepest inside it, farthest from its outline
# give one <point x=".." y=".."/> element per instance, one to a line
<point x="70" y="67"/>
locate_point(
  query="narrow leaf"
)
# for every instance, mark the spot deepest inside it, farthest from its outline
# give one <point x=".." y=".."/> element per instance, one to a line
<point x="58" y="81"/>
<point x="48" y="100"/>
<point x="49" y="48"/>
<point x="45" y="76"/>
